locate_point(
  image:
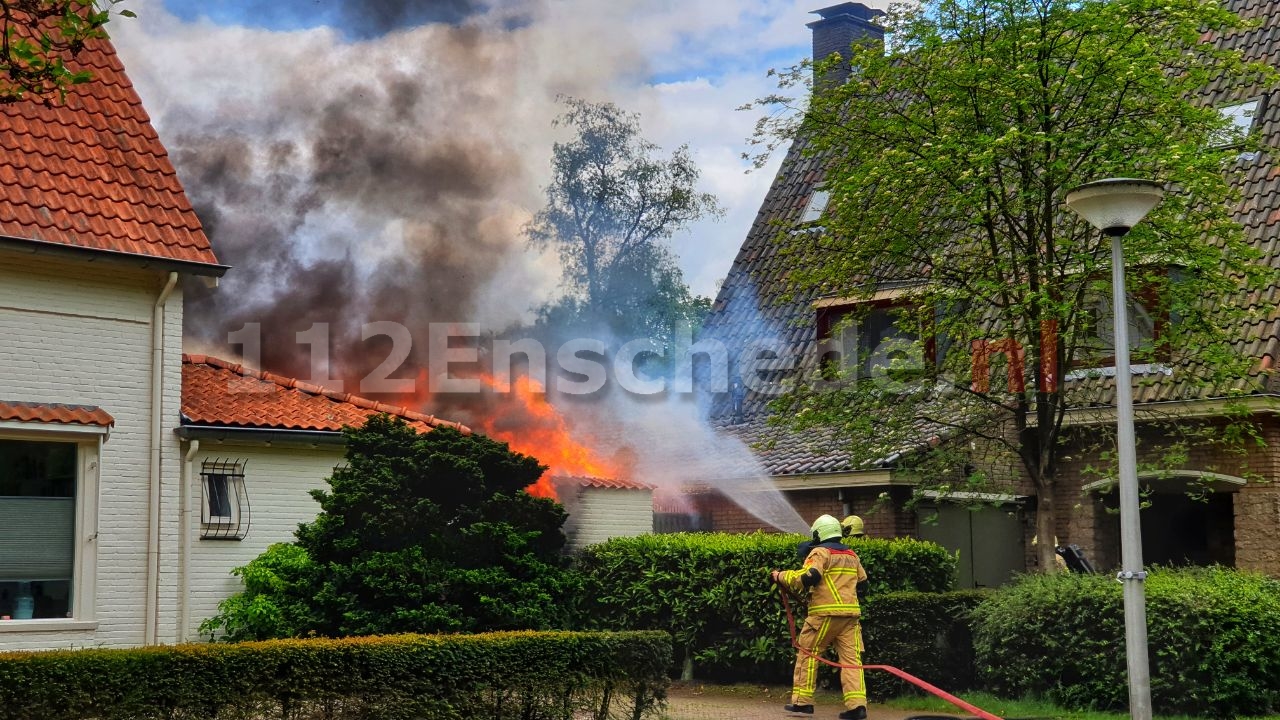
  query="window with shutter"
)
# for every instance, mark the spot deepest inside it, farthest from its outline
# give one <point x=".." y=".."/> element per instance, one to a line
<point x="38" y="482"/>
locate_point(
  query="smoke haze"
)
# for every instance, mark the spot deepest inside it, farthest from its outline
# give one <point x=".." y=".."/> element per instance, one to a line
<point x="382" y="170"/>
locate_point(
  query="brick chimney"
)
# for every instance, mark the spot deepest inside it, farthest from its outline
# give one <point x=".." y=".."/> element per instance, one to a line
<point x="840" y="27"/>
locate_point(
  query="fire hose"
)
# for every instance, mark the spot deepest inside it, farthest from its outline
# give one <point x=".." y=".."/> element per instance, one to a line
<point x="931" y="689"/>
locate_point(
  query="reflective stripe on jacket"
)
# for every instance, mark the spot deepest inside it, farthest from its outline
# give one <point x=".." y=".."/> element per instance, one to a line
<point x="839" y="572"/>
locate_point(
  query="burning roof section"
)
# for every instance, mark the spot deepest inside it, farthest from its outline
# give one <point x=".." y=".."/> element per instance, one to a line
<point x="92" y="174"/>
<point x="754" y="305"/>
<point x="600" y="483"/>
<point x="219" y="393"/>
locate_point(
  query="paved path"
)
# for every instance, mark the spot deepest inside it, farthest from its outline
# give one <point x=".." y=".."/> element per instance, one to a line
<point x="695" y="702"/>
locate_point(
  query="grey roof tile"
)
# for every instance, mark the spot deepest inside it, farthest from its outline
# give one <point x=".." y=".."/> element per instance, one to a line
<point x="752" y="305"/>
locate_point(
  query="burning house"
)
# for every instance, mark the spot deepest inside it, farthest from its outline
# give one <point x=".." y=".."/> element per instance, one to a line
<point x="133" y="478"/>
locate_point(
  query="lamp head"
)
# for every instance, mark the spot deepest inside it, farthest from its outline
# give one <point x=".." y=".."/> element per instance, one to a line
<point x="1115" y="205"/>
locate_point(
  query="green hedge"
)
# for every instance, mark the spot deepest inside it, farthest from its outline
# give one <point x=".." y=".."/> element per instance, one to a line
<point x="1214" y="638"/>
<point x="524" y="675"/>
<point x="711" y="591"/>
<point x="926" y="634"/>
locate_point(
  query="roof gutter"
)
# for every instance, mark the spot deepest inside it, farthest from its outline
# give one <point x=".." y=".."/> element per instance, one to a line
<point x="1167" y="409"/>
<point x="228" y="433"/>
<point x="32" y="246"/>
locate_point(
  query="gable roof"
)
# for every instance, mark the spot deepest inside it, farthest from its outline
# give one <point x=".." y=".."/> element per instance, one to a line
<point x="753" y="305"/>
<point x="219" y="393"/>
<point x="91" y="173"/>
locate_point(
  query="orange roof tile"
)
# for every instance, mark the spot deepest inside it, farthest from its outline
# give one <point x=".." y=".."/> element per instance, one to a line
<point x="598" y="482"/>
<point x="92" y="173"/>
<point x="55" y="413"/>
<point x="221" y="393"/>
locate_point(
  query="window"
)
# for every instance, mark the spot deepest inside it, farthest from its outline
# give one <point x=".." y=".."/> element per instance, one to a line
<point x="1100" y="340"/>
<point x="38" y="487"/>
<point x="224" y="511"/>
<point x="817" y="205"/>
<point x="1241" y="118"/>
<point x="872" y="342"/>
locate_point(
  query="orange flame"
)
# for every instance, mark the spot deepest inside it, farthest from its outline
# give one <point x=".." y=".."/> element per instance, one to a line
<point x="536" y="428"/>
<point x="521" y="416"/>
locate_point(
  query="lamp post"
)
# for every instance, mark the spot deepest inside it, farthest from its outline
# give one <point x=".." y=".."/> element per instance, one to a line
<point x="1114" y="206"/>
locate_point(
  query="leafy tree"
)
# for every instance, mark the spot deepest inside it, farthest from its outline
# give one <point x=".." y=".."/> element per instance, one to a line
<point x="948" y="154"/>
<point x="611" y="205"/>
<point x="39" y="37"/>
<point x="418" y="532"/>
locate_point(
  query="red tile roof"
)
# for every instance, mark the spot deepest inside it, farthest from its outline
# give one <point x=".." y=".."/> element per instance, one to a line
<point x="597" y="482"/>
<point x="92" y="173"/>
<point x="221" y="393"/>
<point x="55" y="413"/>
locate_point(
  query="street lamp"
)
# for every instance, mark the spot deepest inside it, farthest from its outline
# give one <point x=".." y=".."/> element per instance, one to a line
<point x="1114" y="206"/>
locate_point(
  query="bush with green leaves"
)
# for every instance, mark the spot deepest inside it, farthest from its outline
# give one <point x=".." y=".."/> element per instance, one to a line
<point x="497" y="676"/>
<point x="712" y="592"/>
<point x="418" y="532"/>
<point x="926" y="634"/>
<point x="1214" y="638"/>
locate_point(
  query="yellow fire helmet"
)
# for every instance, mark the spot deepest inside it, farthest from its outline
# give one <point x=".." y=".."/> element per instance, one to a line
<point x="853" y="526"/>
<point x="826" y="528"/>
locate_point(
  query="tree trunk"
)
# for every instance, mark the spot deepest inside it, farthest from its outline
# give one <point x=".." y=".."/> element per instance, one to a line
<point x="1046" y="527"/>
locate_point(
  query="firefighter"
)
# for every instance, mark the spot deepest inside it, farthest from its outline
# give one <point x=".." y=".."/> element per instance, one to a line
<point x="852" y="527"/>
<point x="832" y="574"/>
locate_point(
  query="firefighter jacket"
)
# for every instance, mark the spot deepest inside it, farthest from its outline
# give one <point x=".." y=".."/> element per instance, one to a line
<point x="832" y="573"/>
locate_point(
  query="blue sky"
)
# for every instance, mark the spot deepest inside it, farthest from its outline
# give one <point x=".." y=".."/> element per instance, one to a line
<point x="259" y="70"/>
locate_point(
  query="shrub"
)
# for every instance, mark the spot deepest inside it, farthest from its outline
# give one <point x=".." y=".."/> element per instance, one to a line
<point x="523" y="675"/>
<point x="1213" y="634"/>
<point x="428" y="532"/>
<point x="712" y="593"/>
<point x="926" y="634"/>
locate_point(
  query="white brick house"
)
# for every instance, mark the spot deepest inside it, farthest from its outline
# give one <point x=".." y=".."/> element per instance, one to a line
<point x="97" y="242"/>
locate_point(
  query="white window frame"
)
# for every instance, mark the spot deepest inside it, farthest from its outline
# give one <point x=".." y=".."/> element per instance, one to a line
<point x="232" y="474"/>
<point x="1237" y="113"/>
<point x="206" y="513"/>
<point x="819" y="198"/>
<point x="88" y="440"/>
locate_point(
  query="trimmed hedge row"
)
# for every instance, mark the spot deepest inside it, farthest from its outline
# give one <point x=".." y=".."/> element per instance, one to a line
<point x="526" y="675"/>
<point x="711" y="591"/>
<point x="1213" y="633"/>
<point x="926" y="634"/>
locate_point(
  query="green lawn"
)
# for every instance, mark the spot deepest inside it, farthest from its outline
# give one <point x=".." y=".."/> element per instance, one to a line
<point x="1018" y="708"/>
<point x="751" y="698"/>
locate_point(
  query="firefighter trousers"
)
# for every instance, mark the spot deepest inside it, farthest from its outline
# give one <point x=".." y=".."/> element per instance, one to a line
<point x="818" y="634"/>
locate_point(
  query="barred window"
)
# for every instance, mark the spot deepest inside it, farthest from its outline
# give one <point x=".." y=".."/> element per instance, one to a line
<point x="224" y="509"/>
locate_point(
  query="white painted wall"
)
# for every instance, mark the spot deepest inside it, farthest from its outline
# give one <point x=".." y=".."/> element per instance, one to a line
<point x="79" y="333"/>
<point x="598" y="514"/>
<point x="278" y="480"/>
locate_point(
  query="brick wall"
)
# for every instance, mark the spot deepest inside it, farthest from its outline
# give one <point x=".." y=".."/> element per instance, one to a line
<point x="1091" y="520"/>
<point x="277" y="480"/>
<point x="80" y="333"/>
<point x="885" y="518"/>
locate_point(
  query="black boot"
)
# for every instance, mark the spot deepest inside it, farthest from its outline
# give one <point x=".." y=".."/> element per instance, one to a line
<point x="858" y="713"/>
<point x="805" y="709"/>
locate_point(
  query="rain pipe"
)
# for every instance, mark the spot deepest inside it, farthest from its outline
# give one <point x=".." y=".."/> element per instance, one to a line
<point x="151" y="618"/>
<point x="184" y="532"/>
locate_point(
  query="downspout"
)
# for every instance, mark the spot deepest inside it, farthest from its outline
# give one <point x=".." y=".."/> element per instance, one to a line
<point x="184" y="524"/>
<point x="151" y="619"/>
